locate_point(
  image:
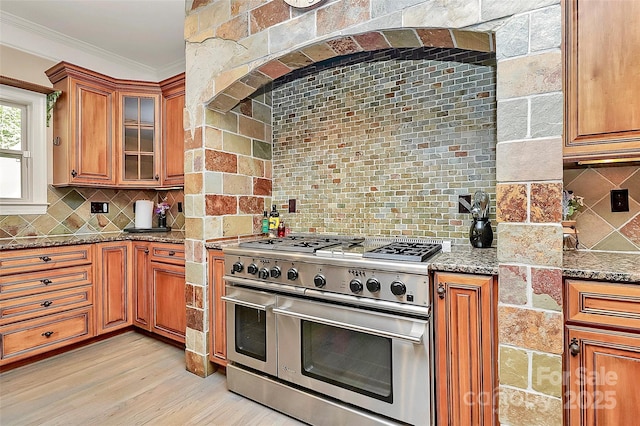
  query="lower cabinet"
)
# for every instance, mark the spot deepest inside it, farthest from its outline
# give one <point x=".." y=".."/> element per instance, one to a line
<point x="169" y="312"/>
<point x="27" y="338"/>
<point x="113" y="286"/>
<point x="159" y="303"/>
<point x="602" y="353"/>
<point x="218" y="312"/>
<point x="140" y="283"/>
<point x="465" y="348"/>
<point x="46" y="300"/>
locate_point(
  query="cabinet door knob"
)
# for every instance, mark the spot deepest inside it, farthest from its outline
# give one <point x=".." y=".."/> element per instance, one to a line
<point x="172" y="253"/>
<point x="157" y="177"/>
<point x="47" y="334"/>
<point x="74" y="173"/>
<point x="441" y="291"/>
<point x="574" y="347"/>
<point x="146" y="251"/>
<point x="46" y="303"/>
<point x="45" y="258"/>
<point x="46" y="281"/>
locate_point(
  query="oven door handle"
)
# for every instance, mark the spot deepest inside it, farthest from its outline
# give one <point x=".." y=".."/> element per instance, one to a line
<point x="413" y="338"/>
<point x="245" y="303"/>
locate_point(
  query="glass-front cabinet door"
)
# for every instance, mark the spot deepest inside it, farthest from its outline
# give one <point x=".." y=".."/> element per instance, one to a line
<point x="139" y="140"/>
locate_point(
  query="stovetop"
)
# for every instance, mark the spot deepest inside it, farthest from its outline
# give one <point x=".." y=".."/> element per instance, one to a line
<point x="301" y="244"/>
<point x="349" y="247"/>
<point x="404" y="251"/>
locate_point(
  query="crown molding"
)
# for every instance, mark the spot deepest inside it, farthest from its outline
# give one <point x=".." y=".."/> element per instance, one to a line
<point x="40" y="41"/>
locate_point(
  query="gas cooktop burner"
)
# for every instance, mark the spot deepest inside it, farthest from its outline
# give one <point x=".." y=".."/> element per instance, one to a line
<point x="300" y="244"/>
<point x="404" y="251"/>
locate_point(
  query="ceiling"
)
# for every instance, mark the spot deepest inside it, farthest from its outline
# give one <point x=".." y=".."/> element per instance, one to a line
<point x="131" y="39"/>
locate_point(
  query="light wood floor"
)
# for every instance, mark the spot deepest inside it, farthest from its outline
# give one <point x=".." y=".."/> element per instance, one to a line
<point x="130" y="379"/>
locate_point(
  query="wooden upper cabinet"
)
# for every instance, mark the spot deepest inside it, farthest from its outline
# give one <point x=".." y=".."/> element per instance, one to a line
<point x="139" y="139"/>
<point x="172" y="168"/>
<point x="117" y="133"/>
<point x="83" y="129"/>
<point x="601" y="79"/>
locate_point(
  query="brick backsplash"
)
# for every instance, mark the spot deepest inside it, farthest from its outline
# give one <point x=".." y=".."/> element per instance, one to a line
<point x="69" y="212"/>
<point x="382" y="143"/>
<point x="598" y="227"/>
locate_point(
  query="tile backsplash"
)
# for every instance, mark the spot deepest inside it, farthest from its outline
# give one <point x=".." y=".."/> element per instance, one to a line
<point x="383" y="143"/>
<point x="69" y="212"/>
<point x="599" y="228"/>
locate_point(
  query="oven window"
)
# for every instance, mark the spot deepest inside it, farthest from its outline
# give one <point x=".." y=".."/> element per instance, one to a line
<point x="251" y="332"/>
<point x="352" y="360"/>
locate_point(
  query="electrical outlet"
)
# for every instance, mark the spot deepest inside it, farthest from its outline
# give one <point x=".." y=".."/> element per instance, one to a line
<point x="99" y="207"/>
<point x="461" y="207"/>
<point x="619" y="200"/>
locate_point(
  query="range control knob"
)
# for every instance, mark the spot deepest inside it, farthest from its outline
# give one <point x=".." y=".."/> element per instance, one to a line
<point x="319" y="281"/>
<point x="356" y="286"/>
<point x="292" y="274"/>
<point x="398" y="288"/>
<point x="237" y="267"/>
<point x="263" y="273"/>
<point x="252" y="269"/>
<point x="276" y="272"/>
<point x="373" y="285"/>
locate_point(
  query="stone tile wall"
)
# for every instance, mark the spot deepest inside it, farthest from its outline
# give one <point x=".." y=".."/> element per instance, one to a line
<point x="69" y="212"/>
<point x="382" y="143"/>
<point x="528" y="210"/>
<point x="599" y="228"/>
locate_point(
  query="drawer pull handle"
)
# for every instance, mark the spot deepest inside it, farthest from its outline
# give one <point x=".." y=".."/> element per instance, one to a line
<point x="574" y="347"/>
<point x="46" y="281"/>
<point x="45" y="258"/>
<point x="441" y="291"/>
<point x="46" y="303"/>
<point x="47" y="334"/>
<point x="146" y="251"/>
<point x="172" y="253"/>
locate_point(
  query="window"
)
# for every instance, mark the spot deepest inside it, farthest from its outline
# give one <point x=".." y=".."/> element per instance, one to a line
<point x="23" y="153"/>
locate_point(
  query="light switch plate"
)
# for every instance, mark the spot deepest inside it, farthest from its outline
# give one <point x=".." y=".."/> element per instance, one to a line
<point x="461" y="207"/>
<point x="619" y="200"/>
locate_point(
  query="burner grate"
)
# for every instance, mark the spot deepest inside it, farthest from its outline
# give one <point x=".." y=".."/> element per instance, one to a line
<point x="404" y="251"/>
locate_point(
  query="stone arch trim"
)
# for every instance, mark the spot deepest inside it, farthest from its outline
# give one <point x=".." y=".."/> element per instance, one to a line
<point x="237" y="84"/>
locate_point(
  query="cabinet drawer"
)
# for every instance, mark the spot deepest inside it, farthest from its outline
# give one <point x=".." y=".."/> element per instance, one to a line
<point x="39" y="282"/>
<point x="27" y="338"/>
<point x="30" y="260"/>
<point x="24" y="308"/>
<point x="168" y="253"/>
<point x="591" y="302"/>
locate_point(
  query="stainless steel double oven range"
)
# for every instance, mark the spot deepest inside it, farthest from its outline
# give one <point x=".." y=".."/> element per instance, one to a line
<point x="332" y="330"/>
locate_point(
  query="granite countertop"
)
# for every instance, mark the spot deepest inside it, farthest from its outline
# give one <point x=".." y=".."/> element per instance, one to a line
<point x="52" y="241"/>
<point x="466" y="259"/>
<point x="604" y="266"/>
<point x="581" y="264"/>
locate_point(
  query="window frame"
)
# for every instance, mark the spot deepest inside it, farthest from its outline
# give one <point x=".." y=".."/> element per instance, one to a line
<point x="34" y="153"/>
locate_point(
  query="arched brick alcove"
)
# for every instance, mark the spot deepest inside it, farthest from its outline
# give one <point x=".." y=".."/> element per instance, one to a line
<point x="231" y="89"/>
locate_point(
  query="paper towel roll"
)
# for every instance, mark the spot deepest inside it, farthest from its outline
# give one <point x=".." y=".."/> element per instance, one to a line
<point x="144" y="213"/>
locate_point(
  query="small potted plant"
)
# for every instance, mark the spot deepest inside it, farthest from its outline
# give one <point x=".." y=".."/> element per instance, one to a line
<point x="571" y="203"/>
<point x="161" y="210"/>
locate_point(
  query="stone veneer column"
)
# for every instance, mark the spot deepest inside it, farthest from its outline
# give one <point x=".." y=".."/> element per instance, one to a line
<point x="528" y="209"/>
